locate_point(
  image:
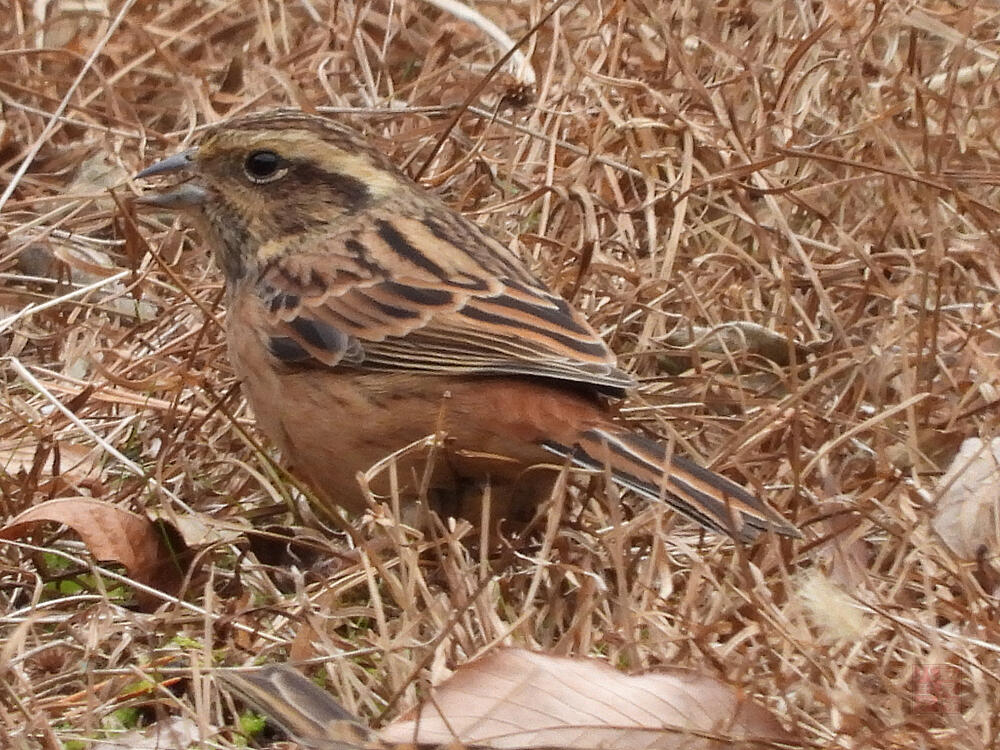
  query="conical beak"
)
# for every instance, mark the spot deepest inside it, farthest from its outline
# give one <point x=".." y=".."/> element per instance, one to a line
<point x="176" y="163"/>
<point x="185" y="195"/>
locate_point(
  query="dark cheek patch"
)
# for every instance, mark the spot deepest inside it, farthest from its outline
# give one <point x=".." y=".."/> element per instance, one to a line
<point x="303" y="198"/>
<point x="338" y="189"/>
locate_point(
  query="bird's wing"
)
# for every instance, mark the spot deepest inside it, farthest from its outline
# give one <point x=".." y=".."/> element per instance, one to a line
<point x="432" y="294"/>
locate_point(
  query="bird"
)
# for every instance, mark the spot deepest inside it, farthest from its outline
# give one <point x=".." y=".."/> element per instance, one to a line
<point x="363" y="314"/>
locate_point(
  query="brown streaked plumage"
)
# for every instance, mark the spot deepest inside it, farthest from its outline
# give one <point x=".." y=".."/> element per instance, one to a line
<point x="365" y="314"/>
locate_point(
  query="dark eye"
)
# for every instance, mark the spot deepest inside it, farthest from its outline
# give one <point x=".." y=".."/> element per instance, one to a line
<point x="264" y="166"/>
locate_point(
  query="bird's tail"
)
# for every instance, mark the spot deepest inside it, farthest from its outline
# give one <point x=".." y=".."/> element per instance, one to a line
<point x="642" y="465"/>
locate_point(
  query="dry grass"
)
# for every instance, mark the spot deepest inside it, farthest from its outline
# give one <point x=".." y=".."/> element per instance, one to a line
<point x="827" y="171"/>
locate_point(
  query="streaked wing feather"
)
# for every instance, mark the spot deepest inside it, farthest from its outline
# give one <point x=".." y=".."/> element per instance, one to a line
<point x="416" y="301"/>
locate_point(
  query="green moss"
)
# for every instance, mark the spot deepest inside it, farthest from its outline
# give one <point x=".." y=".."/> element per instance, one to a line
<point x="252" y="724"/>
<point x="184" y="641"/>
<point x="125" y="718"/>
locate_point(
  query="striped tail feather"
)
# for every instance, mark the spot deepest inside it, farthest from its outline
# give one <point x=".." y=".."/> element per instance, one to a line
<point x="641" y="465"/>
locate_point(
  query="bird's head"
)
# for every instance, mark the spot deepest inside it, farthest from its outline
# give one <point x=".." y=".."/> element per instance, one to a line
<point x="260" y="182"/>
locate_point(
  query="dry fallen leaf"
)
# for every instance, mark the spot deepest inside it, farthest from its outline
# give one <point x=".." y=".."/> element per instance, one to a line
<point x="58" y="466"/>
<point x="513" y="698"/>
<point x="737" y="336"/>
<point x="111" y="534"/>
<point x="967" y="516"/>
<point x="175" y="732"/>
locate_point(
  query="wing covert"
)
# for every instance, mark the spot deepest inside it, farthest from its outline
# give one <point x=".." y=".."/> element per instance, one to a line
<point x="401" y="294"/>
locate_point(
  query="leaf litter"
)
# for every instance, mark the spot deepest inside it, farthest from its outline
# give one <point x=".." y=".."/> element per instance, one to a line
<point x="781" y="215"/>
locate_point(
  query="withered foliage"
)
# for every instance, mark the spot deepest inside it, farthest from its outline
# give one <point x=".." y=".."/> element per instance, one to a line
<point x="782" y="214"/>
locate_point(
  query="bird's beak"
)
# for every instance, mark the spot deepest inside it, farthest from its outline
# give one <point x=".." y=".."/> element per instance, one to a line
<point x="176" y="163"/>
<point x="184" y="195"/>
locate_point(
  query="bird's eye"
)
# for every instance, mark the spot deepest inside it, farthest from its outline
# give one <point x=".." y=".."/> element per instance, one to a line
<point x="264" y="166"/>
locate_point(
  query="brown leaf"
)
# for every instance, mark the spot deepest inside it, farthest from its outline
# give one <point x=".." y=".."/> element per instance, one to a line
<point x="52" y="466"/>
<point x="111" y="534"/>
<point x="515" y="698"/>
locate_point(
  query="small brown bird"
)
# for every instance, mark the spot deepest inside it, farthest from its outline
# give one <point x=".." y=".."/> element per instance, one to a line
<point x="364" y="314"/>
